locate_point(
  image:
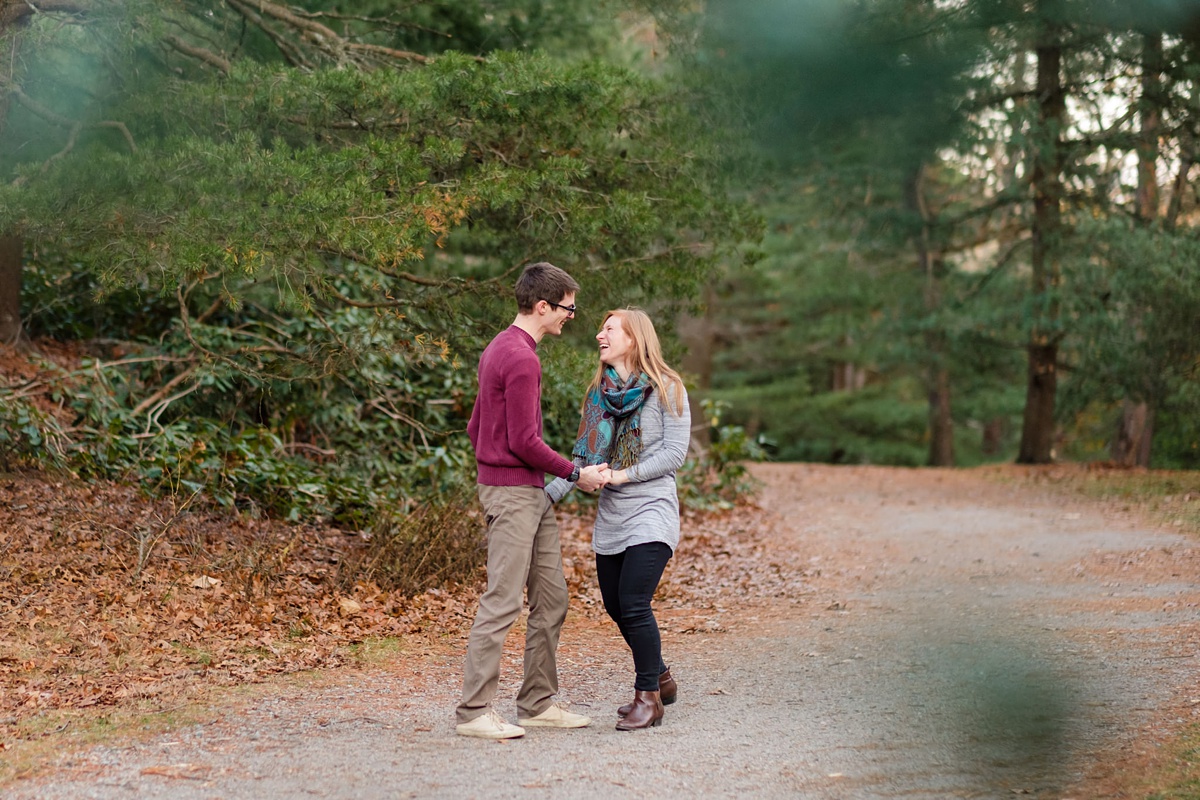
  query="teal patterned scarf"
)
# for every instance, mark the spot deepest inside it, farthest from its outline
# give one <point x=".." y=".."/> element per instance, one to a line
<point x="611" y="428"/>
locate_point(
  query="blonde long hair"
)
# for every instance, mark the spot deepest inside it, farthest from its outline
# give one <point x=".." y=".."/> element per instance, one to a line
<point x="646" y="356"/>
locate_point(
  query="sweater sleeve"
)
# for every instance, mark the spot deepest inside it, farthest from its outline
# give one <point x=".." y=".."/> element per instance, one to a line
<point x="523" y="406"/>
<point x="561" y="487"/>
<point x="677" y="435"/>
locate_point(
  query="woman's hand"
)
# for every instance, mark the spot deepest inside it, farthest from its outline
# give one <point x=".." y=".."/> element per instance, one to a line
<point x="617" y="476"/>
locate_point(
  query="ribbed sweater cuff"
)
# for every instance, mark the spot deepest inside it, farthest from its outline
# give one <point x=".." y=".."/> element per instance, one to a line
<point x="509" y="476"/>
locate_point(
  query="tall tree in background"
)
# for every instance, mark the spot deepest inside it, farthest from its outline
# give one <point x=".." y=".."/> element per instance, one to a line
<point x="1131" y="444"/>
<point x="1046" y="231"/>
<point x="995" y="176"/>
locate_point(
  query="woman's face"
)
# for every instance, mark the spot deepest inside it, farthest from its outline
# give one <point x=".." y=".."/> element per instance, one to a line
<point x="615" y="343"/>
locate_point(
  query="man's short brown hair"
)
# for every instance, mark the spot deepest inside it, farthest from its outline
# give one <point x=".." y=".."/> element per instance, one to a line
<point x="542" y="281"/>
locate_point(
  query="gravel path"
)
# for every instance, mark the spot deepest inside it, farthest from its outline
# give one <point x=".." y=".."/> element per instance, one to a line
<point x="954" y="637"/>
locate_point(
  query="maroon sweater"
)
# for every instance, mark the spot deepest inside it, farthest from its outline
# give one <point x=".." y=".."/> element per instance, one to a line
<point x="506" y="423"/>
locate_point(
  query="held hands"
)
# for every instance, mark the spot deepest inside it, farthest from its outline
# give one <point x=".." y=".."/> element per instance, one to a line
<point x="598" y="476"/>
<point x="616" y="476"/>
<point x="593" y="477"/>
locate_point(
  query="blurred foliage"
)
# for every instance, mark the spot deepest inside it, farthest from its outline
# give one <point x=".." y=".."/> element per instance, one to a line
<point x="717" y="478"/>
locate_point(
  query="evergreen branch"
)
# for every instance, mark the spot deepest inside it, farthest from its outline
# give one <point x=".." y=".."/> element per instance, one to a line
<point x="1000" y="201"/>
<point x="693" y="249"/>
<point x="420" y="280"/>
<point x="358" y="304"/>
<point x="1000" y="265"/>
<point x="361" y="258"/>
<point x="199" y="53"/>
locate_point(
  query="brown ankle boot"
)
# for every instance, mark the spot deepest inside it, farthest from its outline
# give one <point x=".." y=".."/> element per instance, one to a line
<point x="647" y="712"/>
<point x="667" y="689"/>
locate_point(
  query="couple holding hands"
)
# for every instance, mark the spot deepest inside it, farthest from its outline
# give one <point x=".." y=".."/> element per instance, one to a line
<point x="633" y="436"/>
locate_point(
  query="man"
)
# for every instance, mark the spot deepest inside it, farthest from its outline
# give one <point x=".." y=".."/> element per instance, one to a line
<point x="524" y="551"/>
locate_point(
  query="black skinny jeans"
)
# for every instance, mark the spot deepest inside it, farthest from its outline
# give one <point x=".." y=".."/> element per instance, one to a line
<point x="627" y="584"/>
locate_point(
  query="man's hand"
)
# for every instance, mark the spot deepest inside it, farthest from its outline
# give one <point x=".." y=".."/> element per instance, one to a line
<point x="593" y="477"/>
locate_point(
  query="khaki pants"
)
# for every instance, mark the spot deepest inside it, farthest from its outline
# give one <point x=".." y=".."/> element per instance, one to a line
<point x="524" y="555"/>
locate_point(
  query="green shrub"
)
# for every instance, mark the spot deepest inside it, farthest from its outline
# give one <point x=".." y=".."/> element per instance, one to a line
<point x="718" y="478"/>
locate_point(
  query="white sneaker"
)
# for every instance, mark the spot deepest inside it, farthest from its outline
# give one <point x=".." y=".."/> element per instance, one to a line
<point x="489" y="725"/>
<point x="557" y="716"/>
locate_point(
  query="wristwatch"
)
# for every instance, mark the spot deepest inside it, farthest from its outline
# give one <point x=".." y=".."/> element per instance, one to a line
<point x="574" y="475"/>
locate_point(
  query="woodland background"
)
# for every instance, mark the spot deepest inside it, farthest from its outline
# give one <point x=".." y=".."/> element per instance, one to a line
<point x="249" y="251"/>
<point x="255" y="248"/>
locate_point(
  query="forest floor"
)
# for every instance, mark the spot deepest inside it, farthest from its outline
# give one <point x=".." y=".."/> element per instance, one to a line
<point x="860" y="632"/>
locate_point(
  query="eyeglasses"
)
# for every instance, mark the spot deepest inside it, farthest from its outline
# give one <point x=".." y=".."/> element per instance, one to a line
<point x="569" y="309"/>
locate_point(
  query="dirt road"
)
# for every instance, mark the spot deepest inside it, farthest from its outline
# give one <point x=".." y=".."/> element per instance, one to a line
<point x="918" y="634"/>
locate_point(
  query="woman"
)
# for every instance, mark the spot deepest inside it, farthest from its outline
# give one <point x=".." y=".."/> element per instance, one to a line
<point x="635" y="418"/>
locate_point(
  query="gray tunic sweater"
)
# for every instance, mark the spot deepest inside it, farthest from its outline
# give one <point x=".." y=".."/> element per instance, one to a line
<point x="647" y="508"/>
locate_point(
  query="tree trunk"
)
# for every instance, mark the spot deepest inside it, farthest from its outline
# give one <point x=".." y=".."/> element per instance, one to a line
<point x="1135" y="431"/>
<point x="1131" y="447"/>
<point x="931" y="265"/>
<point x="993" y="435"/>
<point x="941" y="422"/>
<point x="12" y="246"/>
<point x="12" y="249"/>
<point x="848" y="377"/>
<point x="1037" y="432"/>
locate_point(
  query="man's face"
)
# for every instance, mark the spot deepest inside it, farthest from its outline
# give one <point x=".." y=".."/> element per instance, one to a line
<point x="559" y="314"/>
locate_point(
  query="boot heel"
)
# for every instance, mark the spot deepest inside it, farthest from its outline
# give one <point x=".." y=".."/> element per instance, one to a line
<point x="647" y="712"/>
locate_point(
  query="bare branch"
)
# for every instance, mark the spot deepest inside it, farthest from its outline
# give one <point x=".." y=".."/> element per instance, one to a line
<point x="16" y="11"/>
<point x="324" y="38"/>
<point x="120" y="126"/>
<point x="420" y="280"/>
<point x="341" y="298"/>
<point x="212" y="309"/>
<point x="312" y="448"/>
<point x="37" y="108"/>
<point x="289" y="51"/>
<point x="403" y="55"/>
<point x="199" y="53"/>
<point x="152" y="419"/>
<point x="73" y="126"/>
<point x="165" y="389"/>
